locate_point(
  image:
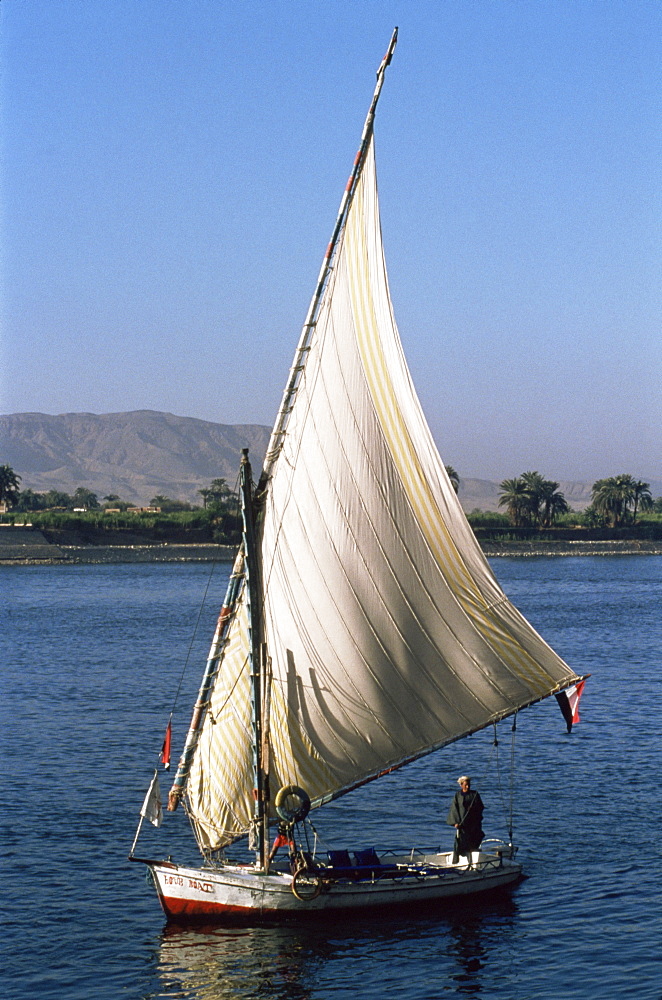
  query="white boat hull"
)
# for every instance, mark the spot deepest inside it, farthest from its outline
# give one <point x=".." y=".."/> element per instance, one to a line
<point x="218" y="893"/>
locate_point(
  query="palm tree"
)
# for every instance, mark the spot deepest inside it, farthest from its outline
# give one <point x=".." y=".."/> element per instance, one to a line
<point x="606" y="499"/>
<point x="554" y="506"/>
<point x="612" y="497"/>
<point x="85" y="498"/>
<point x="515" y="497"/>
<point x="219" y="497"/>
<point x="535" y="486"/>
<point x="553" y="502"/>
<point x="454" y="477"/>
<point x="642" y="496"/>
<point x="9" y="491"/>
<point x="220" y="492"/>
<point x="532" y="500"/>
<point x="591" y="517"/>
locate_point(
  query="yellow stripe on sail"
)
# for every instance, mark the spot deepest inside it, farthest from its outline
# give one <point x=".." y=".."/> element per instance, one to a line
<point x="221" y="779"/>
<point x="395" y="429"/>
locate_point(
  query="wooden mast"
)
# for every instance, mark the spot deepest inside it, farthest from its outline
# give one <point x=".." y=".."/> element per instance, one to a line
<point x="257" y="659"/>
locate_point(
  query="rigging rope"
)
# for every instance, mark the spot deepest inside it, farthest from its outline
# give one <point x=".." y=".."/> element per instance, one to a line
<point x="507" y="806"/>
<point x="512" y="777"/>
<point x="194" y="635"/>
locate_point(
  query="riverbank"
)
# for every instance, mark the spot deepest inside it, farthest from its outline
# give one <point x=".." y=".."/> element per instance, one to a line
<point x="558" y="547"/>
<point x="107" y="554"/>
<point x="24" y="546"/>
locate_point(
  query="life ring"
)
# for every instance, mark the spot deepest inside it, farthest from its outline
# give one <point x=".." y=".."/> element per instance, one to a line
<point x="292" y="804"/>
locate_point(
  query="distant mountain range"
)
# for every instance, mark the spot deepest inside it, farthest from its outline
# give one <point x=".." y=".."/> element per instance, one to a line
<point x="144" y="453"/>
<point x="136" y="455"/>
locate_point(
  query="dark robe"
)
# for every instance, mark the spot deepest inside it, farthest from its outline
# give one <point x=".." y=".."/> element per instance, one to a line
<point x="467" y="810"/>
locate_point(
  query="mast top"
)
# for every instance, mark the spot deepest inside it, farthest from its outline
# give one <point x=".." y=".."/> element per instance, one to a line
<point x="389" y="52"/>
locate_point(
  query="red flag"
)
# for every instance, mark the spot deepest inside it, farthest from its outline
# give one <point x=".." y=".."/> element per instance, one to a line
<point x="569" y="703"/>
<point x="574" y="694"/>
<point x="165" y="749"/>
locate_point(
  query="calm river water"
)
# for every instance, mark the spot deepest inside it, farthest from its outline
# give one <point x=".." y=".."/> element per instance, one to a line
<point x="92" y="657"/>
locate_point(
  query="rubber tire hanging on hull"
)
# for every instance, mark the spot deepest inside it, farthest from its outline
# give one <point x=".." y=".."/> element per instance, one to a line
<point x="306" y="886"/>
<point x="292" y="804"/>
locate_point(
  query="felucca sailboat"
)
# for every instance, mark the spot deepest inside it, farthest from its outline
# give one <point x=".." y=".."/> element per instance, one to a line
<point x="362" y="627"/>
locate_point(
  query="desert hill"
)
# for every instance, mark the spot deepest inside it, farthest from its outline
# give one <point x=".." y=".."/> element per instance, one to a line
<point x="137" y="455"/>
<point x="144" y="452"/>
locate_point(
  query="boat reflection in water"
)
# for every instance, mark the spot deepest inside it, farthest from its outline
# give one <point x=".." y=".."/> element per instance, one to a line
<point x="289" y="961"/>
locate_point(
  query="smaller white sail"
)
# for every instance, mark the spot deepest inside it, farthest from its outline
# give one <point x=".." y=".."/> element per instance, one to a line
<point x="152" y="808"/>
<point x="220" y="781"/>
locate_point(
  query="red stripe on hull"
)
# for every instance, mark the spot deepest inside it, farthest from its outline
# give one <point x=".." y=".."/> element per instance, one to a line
<point x="199" y="910"/>
<point x="196" y="909"/>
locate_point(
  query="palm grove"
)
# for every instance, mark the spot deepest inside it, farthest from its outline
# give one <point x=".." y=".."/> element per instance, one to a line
<point x="218" y="494"/>
<point x="530" y="500"/>
<point x="534" y="502"/>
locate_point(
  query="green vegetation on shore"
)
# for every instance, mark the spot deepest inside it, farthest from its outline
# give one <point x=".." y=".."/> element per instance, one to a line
<point x="82" y="515"/>
<point x="622" y="507"/>
<point x="195" y="526"/>
<point x="534" y="502"/>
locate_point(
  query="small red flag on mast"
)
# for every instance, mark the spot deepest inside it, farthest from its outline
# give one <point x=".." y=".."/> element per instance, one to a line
<point x="165" y="749"/>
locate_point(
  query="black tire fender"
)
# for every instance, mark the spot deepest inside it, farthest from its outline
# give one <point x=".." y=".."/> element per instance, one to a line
<point x="292" y="803"/>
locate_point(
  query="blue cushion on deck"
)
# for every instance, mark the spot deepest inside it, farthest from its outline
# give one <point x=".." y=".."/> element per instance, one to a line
<point x="367" y="858"/>
<point x="340" y="859"/>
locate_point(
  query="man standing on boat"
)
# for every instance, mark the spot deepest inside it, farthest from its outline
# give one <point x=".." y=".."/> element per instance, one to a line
<point x="466" y="815"/>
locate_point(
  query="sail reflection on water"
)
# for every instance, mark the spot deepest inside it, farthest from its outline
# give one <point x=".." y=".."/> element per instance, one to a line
<point x="242" y="962"/>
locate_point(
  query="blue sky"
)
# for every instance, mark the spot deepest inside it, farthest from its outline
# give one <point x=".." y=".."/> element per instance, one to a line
<point x="172" y="172"/>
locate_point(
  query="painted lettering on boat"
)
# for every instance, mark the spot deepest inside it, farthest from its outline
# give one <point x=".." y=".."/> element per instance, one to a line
<point x="173" y="880"/>
<point x="202" y="886"/>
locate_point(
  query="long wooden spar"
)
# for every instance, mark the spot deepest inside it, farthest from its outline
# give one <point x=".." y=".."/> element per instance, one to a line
<point x="273" y="450"/>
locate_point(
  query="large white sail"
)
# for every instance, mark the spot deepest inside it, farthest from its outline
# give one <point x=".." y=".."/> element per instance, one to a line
<point x="387" y="632"/>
